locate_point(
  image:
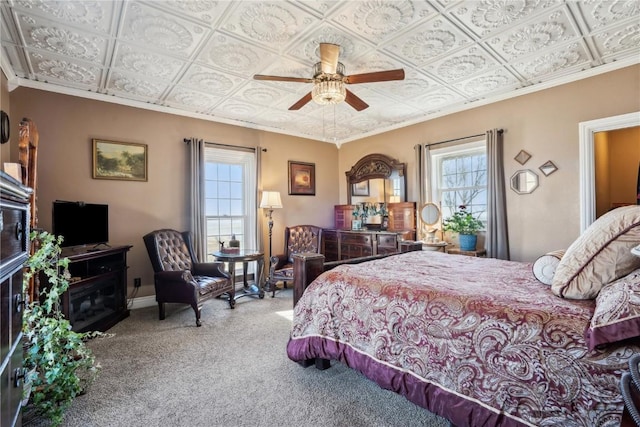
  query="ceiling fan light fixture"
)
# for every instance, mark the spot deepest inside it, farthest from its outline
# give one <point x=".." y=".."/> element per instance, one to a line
<point x="329" y="92"/>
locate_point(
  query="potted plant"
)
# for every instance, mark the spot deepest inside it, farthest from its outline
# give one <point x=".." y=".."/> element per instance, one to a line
<point x="58" y="363"/>
<point x="467" y="227"/>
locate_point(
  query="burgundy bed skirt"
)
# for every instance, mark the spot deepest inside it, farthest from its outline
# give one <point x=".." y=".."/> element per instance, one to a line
<point x="460" y="410"/>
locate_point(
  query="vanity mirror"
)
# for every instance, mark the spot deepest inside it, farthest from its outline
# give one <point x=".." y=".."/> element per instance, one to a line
<point x="385" y="178"/>
<point x="430" y="214"/>
<point x="430" y="225"/>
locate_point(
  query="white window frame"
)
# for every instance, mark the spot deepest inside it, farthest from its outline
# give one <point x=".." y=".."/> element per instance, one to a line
<point x="435" y="163"/>
<point x="247" y="159"/>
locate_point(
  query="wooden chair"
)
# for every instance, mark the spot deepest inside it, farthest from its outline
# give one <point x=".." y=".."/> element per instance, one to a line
<point x="297" y="239"/>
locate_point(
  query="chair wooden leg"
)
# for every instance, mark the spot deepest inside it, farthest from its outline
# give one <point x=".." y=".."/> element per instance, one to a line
<point x="161" y="313"/>
<point x="197" y="310"/>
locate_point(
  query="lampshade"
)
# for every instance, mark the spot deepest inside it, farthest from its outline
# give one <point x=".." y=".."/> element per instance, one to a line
<point x="271" y="200"/>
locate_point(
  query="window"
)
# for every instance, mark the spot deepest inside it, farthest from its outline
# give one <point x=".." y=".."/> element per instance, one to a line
<point x="230" y="205"/>
<point x="459" y="177"/>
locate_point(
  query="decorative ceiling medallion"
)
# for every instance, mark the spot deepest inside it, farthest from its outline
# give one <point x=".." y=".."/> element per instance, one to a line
<point x="193" y="99"/>
<point x="88" y="12"/>
<point x="137" y="87"/>
<point x="486" y="84"/>
<point x="533" y="38"/>
<point x="379" y="18"/>
<point x="161" y="33"/>
<point x="494" y="14"/>
<point x="148" y="64"/>
<point x="66" y="43"/>
<point x="462" y="66"/>
<point x="64" y="70"/>
<point x="262" y="95"/>
<point x="428" y="44"/>
<point x="552" y="62"/>
<point x="613" y="11"/>
<point x="268" y="22"/>
<point x="233" y="57"/>
<point x="211" y="82"/>
<point x="626" y="38"/>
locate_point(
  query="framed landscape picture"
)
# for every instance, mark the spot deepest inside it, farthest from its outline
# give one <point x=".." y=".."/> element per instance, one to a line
<point x="302" y="178"/>
<point x="119" y="160"/>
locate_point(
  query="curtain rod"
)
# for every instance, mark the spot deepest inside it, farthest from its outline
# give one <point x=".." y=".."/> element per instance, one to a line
<point x="459" y="139"/>
<point x="235" y="147"/>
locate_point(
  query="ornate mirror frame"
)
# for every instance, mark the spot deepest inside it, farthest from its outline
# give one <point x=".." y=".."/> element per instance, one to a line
<point x="375" y="166"/>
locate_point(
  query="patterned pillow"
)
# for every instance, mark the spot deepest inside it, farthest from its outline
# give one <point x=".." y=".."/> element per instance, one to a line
<point x="545" y="266"/>
<point x="617" y="314"/>
<point x="600" y="255"/>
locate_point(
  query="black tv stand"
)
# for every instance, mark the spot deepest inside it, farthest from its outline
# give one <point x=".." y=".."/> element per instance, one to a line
<point x="97" y="295"/>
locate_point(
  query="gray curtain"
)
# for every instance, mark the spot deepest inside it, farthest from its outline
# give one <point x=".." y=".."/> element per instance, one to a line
<point x="198" y="224"/>
<point x="421" y="182"/>
<point x="497" y="237"/>
<point x="259" y="217"/>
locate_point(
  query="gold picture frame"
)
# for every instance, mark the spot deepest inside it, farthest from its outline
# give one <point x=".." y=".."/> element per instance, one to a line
<point x="126" y="161"/>
<point x="302" y="178"/>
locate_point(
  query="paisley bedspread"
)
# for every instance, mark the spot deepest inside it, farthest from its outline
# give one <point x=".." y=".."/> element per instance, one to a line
<point x="478" y="341"/>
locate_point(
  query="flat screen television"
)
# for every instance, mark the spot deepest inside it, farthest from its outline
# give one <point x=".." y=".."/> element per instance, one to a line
<point x="80" y="223"/>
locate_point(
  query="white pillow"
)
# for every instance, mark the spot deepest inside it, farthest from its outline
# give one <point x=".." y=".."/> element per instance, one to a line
<point x="545" y="267"/>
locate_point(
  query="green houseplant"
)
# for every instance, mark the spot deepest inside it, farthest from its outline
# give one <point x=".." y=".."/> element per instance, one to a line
<point x="58" y="363"/>
<point x="466" y="226"/>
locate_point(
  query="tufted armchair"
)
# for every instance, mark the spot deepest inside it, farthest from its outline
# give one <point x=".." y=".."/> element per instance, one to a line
<point x="297" y="239"/>
<point x="179" y="277"/>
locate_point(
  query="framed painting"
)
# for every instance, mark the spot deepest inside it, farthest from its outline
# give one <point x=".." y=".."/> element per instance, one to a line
<point x="302" y="178"/>
<point x="119" y="160"/>
<point x="360" y="188"/>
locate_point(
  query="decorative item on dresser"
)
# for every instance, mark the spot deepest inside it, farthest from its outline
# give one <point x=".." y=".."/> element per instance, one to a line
<point x="14" y="252"/>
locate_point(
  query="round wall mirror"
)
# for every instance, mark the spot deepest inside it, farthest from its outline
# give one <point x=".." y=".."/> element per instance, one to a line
<point x="430" y="213"/>
<point x="524" y="181"/>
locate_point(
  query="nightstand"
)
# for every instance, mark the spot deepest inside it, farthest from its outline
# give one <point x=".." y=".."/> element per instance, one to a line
<point x="476" y="253"/>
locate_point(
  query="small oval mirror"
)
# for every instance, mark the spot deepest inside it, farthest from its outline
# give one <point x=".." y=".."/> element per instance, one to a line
<point x="430" y="213"/>
<point x="524" y="181"/>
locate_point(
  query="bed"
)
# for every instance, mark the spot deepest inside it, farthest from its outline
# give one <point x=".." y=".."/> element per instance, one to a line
<point x="480" y="341"/>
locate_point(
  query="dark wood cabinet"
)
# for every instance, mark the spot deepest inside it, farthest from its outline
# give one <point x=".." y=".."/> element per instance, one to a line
<point x="345" y="244"/>
<point x="343" y="215"/>
<point x="97" y="296"/>
<point x="402" y="217"/>
<point x="329" y="245"/>
<point x="14" y="231"/>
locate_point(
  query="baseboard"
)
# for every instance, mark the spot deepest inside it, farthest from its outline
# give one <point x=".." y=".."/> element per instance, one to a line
<point x="142" y="302"/>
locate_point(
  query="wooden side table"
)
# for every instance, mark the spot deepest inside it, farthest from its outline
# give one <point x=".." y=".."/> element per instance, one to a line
<point x="476" y="253"/>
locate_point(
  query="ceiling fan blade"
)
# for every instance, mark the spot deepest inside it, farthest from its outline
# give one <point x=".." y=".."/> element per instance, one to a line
<point x="302" y="102"/>
<point x="282" y="79"/>
<point x="355" y="102"/>
<point x="376" y="76"/>
<point x="329" y="57"/>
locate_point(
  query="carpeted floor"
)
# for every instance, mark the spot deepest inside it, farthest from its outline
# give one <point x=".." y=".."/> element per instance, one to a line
<point x="232" y="371"/>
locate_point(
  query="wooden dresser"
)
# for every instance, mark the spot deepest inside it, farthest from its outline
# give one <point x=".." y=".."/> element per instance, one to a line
<point x="14" y="251"/>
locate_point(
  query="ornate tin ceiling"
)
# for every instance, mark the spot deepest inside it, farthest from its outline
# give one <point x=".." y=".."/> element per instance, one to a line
<point x="197" y="57"/>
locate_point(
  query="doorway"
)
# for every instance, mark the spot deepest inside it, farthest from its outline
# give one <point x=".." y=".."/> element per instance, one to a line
<point x="587" y="131"/>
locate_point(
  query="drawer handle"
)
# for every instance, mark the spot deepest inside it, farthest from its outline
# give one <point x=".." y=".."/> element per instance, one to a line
<point x="19" y="302"/>
<point x="19" y="230"/>
<point x="19" y="375"/>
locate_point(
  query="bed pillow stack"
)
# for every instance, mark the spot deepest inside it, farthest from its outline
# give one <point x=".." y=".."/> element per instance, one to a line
<point x="600" y="255"/>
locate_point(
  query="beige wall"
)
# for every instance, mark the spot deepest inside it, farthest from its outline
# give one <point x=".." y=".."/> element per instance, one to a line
<point x="67" y="125"/>
<point x="543" y="123"/>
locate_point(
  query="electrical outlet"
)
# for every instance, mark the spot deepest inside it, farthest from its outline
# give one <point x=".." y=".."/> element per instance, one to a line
<point x="136" y="282"/>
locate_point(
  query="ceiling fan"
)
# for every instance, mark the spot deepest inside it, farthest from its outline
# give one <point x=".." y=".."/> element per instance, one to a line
<point x="329" y="80"/>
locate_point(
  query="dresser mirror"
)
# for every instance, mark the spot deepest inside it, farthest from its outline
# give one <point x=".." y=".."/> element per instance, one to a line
<point x="430" y="214"/>
<point x="524" y="181"/>
<point x="377" y="178"/>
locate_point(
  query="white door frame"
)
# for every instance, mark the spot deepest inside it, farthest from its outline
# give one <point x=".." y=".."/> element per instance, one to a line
<point x="587" y="160"/>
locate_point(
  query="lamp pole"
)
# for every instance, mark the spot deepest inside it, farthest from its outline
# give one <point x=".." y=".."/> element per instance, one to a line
<point x="270" y="230"/>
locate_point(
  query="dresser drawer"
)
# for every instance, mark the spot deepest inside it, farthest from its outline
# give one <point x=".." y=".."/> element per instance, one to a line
<point x="387" y="241"/>
<point x="356" y="239"/>
<point x="12" y="231"/>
